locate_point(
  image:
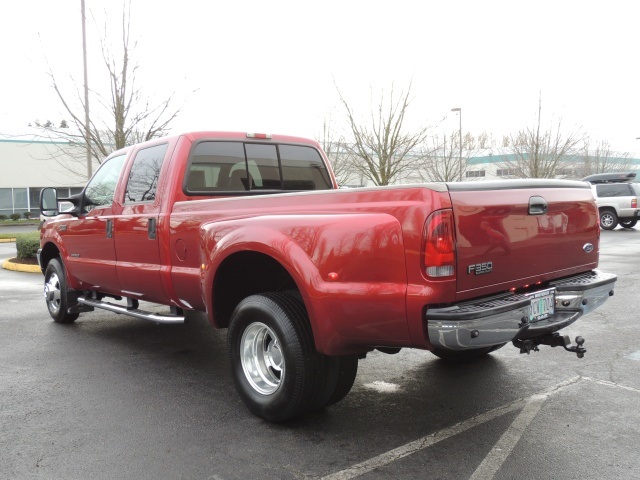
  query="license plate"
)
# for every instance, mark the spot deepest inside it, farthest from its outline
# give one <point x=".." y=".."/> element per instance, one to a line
<point x="543" y="304"/>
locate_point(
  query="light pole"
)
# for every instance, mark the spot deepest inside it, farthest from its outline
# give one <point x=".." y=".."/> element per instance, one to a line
<point x="459" y="110"/>
<point x="87" y="128"/>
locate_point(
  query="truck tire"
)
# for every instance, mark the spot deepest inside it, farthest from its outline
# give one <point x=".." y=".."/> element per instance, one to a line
<point x="339" y="375"/>
<point x="628" y="223"/>
<point x="56" y="292"/>
<point x="465" y="356"/>
<point x="275" y="367"/>
<point x="608" y="219"/>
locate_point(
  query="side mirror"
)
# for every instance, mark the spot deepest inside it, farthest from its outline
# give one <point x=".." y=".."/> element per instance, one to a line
<point x="49" y="202"/>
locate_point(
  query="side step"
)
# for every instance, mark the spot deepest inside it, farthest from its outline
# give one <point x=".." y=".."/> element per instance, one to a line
<point x="132" y="310"/>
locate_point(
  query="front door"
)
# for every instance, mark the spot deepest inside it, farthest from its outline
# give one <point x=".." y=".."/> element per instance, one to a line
<point x="89" y="239"/>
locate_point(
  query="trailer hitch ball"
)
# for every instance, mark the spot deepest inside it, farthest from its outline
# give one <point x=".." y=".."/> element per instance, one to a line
<point x="579" y="349"/>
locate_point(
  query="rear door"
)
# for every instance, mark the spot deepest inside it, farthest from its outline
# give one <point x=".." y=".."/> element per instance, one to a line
<point x="137" y="240"/>
<point x="621" y="196"/>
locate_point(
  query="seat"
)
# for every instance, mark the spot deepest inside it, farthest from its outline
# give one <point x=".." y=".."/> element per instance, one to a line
<point x="239" y="180"/>
<point x="196" y="181"/>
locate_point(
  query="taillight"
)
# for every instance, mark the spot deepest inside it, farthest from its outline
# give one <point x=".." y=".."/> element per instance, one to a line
<point x="634" y="203"/>
<point x="439" y="245"/>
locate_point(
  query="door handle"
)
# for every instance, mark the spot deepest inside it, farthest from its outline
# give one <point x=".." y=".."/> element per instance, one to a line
<point x="538" y="206"/>
<point x="109" y="228"/>
<point x="152" y="228"/>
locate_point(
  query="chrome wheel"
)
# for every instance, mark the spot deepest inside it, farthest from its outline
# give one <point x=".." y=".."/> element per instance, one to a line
<point x="276" y="369"/>
<point x="52" y="293"/>
<point x="608" y="220"/>
<point x="261" y="358"/>
<point x="57" y="294"/>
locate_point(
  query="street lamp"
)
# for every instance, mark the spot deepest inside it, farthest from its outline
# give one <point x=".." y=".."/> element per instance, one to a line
<point x="87" y="128"/>
<point x="459" y="110"/>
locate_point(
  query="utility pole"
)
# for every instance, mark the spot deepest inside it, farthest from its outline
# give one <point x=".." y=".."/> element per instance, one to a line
<point x="459" y="110"/>
<point x="87" y="128"/>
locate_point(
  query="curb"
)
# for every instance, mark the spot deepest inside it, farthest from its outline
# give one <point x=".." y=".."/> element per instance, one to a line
<point x="7" y="240"/>
<point x="20" y="267"/>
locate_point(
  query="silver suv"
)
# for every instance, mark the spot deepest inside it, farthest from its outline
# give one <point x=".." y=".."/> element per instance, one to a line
<point x="617" y="199"/>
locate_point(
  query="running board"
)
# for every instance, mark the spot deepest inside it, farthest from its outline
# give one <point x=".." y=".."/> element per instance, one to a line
<point x="132" y="312"/>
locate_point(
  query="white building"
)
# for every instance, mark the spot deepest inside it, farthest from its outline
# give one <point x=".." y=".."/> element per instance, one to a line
<point x="28" y="165"/>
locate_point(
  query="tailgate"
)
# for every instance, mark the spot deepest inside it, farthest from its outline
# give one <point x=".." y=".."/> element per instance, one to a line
<point x="517" y="232"/>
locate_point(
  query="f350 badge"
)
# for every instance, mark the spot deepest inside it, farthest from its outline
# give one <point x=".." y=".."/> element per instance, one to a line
<point x="480" y="268"/>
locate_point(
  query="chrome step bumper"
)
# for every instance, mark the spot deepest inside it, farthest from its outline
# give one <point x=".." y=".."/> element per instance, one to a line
<point x="506" y="317"/>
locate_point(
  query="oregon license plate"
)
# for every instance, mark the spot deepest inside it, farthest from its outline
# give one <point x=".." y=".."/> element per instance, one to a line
<point x="543" y="304"/>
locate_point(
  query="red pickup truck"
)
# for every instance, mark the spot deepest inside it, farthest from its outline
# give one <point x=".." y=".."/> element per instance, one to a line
<point x="253" y="230"/>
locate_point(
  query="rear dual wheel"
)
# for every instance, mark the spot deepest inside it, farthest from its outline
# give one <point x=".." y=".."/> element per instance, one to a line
<point x="276" y="369"/>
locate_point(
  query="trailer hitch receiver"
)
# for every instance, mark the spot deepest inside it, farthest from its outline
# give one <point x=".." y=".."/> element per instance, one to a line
<point x="553" y="340"/>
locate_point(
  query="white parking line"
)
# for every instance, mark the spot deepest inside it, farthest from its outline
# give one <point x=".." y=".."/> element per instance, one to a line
<point x="611" y="384"/>
<point x="509" y="439"/>
<point x="503" y="448"/>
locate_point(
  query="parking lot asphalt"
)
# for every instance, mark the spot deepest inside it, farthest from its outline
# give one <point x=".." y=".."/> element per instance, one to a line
<point x="114" y="397"/>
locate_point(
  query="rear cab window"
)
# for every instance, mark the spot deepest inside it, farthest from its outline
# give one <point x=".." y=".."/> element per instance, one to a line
<point x="235" y="167"/>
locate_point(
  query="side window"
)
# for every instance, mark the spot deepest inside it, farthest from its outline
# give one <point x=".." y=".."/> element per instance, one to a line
<point x="614" y="190"/>
<point x="145" y="171"/>
<point x="211" y="165"/>
<point x="303" y="169"/>
<point x="99" y="191"/>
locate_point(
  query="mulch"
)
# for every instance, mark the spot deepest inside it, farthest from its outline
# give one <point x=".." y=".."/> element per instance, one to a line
<point x="28" y="261"/>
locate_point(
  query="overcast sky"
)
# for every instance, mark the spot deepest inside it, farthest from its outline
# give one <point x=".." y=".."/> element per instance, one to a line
<point x="273" y="66"/>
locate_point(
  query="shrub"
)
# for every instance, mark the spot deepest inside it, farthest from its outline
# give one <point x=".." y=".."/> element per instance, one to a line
<point x="15" y="216"/>
<point x="3" y="217"/>
<point x="27" y="215"/>
<point x="27" y="245"/>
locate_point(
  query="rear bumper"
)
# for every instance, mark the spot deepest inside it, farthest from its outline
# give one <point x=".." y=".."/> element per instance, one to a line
<point x="503" y="318"/>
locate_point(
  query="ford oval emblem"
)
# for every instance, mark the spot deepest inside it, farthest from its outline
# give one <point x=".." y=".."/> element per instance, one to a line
<point x="588" y="248"/>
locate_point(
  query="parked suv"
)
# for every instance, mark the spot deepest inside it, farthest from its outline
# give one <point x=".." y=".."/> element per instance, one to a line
<point x="617" y="199"/>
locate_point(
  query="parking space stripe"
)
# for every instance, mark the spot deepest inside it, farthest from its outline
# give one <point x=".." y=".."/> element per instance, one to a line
<point x="422" y="443"/>
<point x="425" y="442"/>
<point x="611" y="384"/>
<point x="503" y="448"/>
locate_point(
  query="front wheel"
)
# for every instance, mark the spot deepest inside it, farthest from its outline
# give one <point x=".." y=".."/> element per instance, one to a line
<point x="608" y="219"/>
<point x="56" y="293"/>
<point x="275" y="366"/>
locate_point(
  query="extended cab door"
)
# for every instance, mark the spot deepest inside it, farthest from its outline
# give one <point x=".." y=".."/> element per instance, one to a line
<point x="89" y="239"/>
<point x="137" y="241"/>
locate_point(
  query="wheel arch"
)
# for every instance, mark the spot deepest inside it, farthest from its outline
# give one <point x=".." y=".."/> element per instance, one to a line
<point x="245" y="273"/>
<point x="49" y="251"/>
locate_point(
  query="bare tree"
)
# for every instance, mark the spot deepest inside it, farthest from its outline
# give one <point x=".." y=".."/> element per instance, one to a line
<point x="441" y="159"/>
<point x="339" y="155"/>
<point x="125" y="116"/>
<point x="601" y="159"/>
<point x="383" y="151"/>
<point x="538" y="153"/>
